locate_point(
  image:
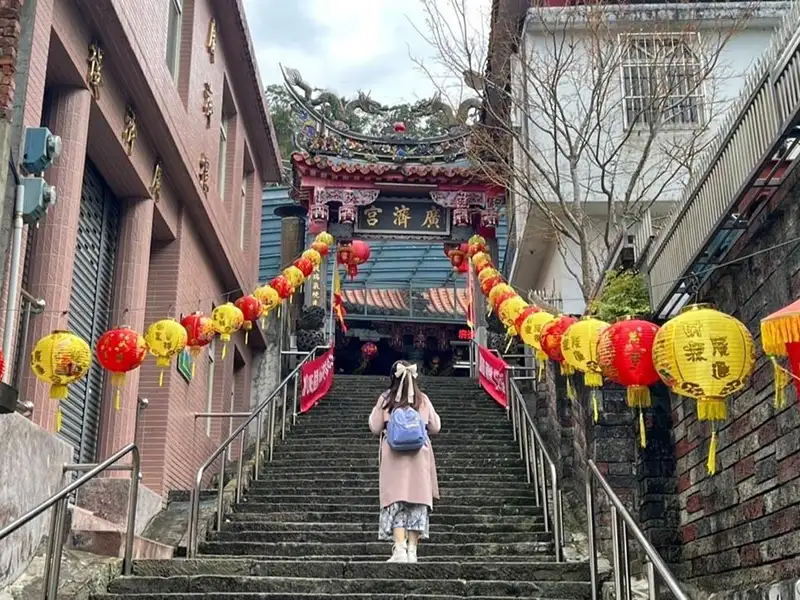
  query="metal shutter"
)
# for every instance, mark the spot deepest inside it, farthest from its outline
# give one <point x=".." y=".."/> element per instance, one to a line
<point x="90" y="306"/>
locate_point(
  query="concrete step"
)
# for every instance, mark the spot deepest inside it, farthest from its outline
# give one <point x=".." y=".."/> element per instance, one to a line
<point x="377" y="549"/>
<point x="332" y="537"/>
<point x="264" y="490"/>
<point x="366" y="517"/>
<point x="499" y="508"/>
<point x="442" y="464"/>
<point x="366" y="501"/>
<point x="278" y="468"/>
<point x="349" y="453"/>
<point x="298" y="596"/>
<point x="429" y="569"/>
<point x="468" y="478"/>
<point x="303" y="585"/>
<point x="535" y="523"/>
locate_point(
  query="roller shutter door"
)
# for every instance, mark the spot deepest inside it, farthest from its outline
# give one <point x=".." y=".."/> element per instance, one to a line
<point x="90" y="307"/>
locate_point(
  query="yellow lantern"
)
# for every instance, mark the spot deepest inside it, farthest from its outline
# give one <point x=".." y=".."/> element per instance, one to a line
<point x="531" y="334"/>
<point x="510" y="310"/>
<point x="481" y="258"/>
<point x="166" y="339"/>
<point x="59" y="359"/>
<point x="227" y="319"/>
<point x="579" y="346"/>
<point x="269" y="299"/>
<point x="314" y="256"/>
<point x="706" y="355"/>
<point x="500" y="288"/>
<point x="294" y="276"/>
<point x="325" y="238"/>
<point x="487" y="273"/>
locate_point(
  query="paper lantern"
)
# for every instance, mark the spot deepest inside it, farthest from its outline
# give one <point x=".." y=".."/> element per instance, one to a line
<point x="476" y="244"/>
<point x="305" y="265"/>
<point x="282" y="286"/>
<point x="60" y="358"/>
<point x="550" y="340"/>
<point x="294" y="276"/>
<point x="120" y="351"/>
<point x="481" y="260"/>
<point x="625" y="355"/>
<point x="369" y="350"/>
<point x="706" y="355"/>
<point x="165" y="339"/>
<point x="524" y="315"/>
<point x="252" y="309"/>
<point x="199" y="333"/>
<point x="320" y="248"/>
<point x="579" y="346"/>
<point x="780" y="336"/>
<point x="509" y="310"/>
<point x="360" y="252"/>
<point x="531" y="333"/>
<point x="268" y="297"/>
<point x="462" y="268"/>
<point x="227" y="320"/>
<point x="499" y="293"/>
<point x="352" y="271"/>
<point x="325" y="238"/>
<point x="488" y="273"/>
<point x="344" y="253"/>
<point x="457" y="256"/>
<point x="488" y="284"/>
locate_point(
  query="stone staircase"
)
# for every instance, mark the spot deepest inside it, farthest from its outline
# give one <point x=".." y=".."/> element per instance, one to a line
<point x="308" y="529"/>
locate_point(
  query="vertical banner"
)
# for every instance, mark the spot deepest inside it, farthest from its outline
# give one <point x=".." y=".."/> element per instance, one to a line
<point x="492" y="375"/>
<point x="316" y="377"/>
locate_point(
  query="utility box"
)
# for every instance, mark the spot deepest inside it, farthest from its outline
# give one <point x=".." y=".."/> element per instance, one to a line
<point x="39" y="196"/>
<point x="41" y="148"/>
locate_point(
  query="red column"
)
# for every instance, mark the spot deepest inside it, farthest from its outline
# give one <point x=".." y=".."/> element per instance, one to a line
<point x="130" y="299"/>
<point x="53" y="248"/>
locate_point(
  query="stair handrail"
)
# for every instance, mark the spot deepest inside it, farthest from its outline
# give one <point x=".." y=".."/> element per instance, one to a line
<point x="619" y="540"/>
<point x="533" y="451"/>
<point x="194" y="512"/>
<point x="59" y="500"/>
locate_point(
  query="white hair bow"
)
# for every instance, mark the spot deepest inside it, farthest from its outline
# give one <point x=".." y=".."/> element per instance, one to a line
<point x="407" y="374"/>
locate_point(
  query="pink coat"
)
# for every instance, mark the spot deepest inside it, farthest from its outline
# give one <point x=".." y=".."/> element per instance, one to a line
<point x="407" y="476"/>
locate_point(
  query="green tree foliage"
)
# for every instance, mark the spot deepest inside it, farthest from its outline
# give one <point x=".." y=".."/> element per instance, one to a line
<point x="624" y="295"/>
<point x="281" y="109"/>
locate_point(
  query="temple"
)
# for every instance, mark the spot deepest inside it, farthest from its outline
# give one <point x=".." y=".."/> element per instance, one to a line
<point x="414" y="198"/>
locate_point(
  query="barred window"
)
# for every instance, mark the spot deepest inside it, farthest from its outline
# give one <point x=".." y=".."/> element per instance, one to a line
<point x="662" y="80"/>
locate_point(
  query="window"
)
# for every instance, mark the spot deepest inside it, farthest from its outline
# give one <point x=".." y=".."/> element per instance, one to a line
<point x="243" y="219"/>
<point x="662" y="80"/>
<point x="223" y="156"/>
<point x="210" y="383"/>
<point x="174" y="26"/>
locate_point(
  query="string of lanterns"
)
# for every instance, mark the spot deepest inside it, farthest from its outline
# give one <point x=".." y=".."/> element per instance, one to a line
<point x="702" y="353"/>
<point x="62" y="358"/>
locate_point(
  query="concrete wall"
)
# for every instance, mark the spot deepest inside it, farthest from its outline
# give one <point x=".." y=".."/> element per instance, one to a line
<point x="32" y="459"/>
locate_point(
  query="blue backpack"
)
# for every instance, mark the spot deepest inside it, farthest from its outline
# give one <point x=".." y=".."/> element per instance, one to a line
<point x="405" y="431"/>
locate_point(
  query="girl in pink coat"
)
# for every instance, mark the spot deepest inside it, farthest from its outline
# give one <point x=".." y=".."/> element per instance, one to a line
<point x="408" y="482"/>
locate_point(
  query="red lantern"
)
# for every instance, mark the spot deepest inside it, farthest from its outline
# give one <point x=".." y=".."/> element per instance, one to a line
<point x="476" y="244"/>
<point x="369" y="350"/>
<point x="458" y="257"/>
<point x="360" y="252"/>
<point x="352" y="271"/>
<point x="281" y="285"/>
<point x="321" y="247"/>
<point x="488" y="284"/>
<point x="251" y="308"/>
<point x="625" y="355"/>
<point x="344" y="253"/>
<point x="119" y="351"/>
<point x="463" y="267"/>
<point x="199" y="333"/>
<point x="305" y="265"/>
<point x="550" y="337"/>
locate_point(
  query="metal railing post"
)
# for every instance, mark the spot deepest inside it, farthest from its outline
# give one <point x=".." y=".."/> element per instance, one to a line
<point x="296" y="398"/>
<point x="141" y="404"/>
<point x="240" y="468"/>
<point x="615" y="555"/>
<point x="259" y="433"/>
<point x="652" y="582"/>
<point x="271" y="433"/>
<point x="591" y="535"/>
<point x="221" y="496"/>
<point x="51" y="586"/>
<point x="133" y="504"/>
<point x="283" y="410"/>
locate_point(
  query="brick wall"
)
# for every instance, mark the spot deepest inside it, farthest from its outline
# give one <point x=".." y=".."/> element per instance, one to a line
<point x="10" y="11"/>
<point x="740" y="526"/>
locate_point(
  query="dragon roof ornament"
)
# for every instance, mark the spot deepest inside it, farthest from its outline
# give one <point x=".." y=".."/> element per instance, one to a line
<point x="325" y="121"/>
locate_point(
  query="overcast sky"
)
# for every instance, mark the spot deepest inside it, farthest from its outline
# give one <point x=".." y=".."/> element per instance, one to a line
<point x="347" y="45"/>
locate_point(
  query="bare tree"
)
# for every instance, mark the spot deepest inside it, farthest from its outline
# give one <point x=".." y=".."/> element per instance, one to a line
<point x="595" y="117"/>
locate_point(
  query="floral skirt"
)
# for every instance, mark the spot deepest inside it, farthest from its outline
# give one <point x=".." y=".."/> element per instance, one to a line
<point x="411" y="517"/>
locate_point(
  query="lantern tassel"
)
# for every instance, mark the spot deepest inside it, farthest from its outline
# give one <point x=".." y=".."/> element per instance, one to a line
<point x="570" y="389"/>
<point x="595" y="406"/>
<point x="540" y="374"/>
<point x="194" y="368"/>
<point x="59" y="419"/>
<point x="593" y="380"/>
<point x="642" y="430"/>
<point x="161" y="379"/>
<point x="224" y="350"/>
<point x="246" y="337"/>
<point x="508" y="345"/>
<point x="118" y="400"/>
<point x="639" y="396"/>
<point x="781" y="381"/>
<point x="711" y="464"/>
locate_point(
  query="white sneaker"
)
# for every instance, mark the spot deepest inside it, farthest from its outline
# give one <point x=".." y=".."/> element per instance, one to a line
<point x="399" y="553"/>
<point x="412" y="553"/>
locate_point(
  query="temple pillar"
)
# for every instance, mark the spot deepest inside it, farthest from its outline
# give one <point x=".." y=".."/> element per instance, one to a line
<point x="53" y="247"/>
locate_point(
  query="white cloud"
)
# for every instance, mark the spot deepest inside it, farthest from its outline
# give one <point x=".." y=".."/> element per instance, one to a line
<point x="347" y="45"/>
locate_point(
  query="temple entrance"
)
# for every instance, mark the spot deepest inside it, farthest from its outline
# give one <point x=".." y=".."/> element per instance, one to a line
<point x="371" y="347"/>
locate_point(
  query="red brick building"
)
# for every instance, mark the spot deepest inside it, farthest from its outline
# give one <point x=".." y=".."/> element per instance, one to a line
<point x="167" y="144"/>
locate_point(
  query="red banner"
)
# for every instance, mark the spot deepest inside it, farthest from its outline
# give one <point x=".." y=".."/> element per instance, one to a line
<point x="492" y="375"/>
<point x="316" y="377"/>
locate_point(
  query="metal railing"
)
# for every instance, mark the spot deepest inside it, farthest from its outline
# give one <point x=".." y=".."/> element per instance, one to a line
<point x="620" y="530"/>
<point x="59" y="502"/>
<point x="292" y="378"/>
<point x="750" y="136"/>
<point x="540" y="469"/>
